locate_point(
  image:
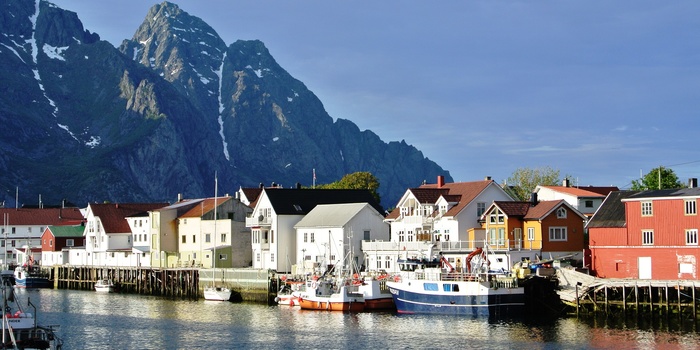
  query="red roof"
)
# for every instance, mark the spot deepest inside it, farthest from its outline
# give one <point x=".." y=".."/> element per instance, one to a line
<point x="113" y="215"/>
<point x="467" y="191"/>
<point x="47" y="217"/>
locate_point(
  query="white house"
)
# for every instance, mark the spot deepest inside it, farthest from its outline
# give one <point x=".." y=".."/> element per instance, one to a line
<point x="433" y="217"/>
<point x="332" y="234"/>
<point x="276" y="212"/>
<point x="108" y="235"/>
<point x="585" y="199"/>
<point x="25" y="226"/>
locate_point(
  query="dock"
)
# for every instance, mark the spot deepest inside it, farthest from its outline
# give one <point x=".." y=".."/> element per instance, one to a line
<point x="188" y="283"/>
<point x="588" y="294"/>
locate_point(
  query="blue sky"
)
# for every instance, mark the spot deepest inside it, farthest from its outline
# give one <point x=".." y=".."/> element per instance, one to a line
<point x="600" y="90"/>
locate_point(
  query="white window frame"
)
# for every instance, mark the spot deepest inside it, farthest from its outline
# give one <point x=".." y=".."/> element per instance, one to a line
<point x="561" y="213"/>
<point x="647" y="208"/>
<point x="691" y="237"/>
<point x="558" y="234"/>
<point x="691" y="207"/>
<point x="530" y="233"/>
<point x="647" y="237"/>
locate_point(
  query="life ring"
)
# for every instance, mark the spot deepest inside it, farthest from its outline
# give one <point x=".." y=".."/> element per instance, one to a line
<point x="313" y="284"/>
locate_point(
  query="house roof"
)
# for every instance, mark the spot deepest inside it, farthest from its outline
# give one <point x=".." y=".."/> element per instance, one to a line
<point x="252" y="194"/>
<point x="67" y="231"/>
<point x="43" y="216"/>
<point x="668" y="193"/>
<point x="576" y="191"/>
<point x="467" y="192"/>
<point x="331" y="215"/>
<point x="526" y="210"/>
<point x="112" y="215"/>
<point x="206" y="205"/>
<point x="301" y="201"/>
<point x="611" y="212"/>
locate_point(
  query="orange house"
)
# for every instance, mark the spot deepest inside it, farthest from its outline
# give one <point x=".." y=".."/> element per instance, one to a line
<point x="554" y="228"/>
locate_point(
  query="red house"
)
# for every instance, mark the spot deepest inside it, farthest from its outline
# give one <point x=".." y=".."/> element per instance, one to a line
<point x="646" y="235"/>
<point x="56" y="239"/>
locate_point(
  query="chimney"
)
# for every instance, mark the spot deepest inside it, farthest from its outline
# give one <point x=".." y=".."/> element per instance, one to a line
<point x="565" y="183"/>
<point x="298" y="186"/>
<point x="440" y="181"/>
<point x="179" y="197"/>
<point x="488" y="178"/>
<point x="693" y="182"/>
<point x="533" y="199"/>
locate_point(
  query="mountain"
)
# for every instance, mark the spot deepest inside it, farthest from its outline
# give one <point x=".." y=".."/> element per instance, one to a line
<point x="166" y="111"/>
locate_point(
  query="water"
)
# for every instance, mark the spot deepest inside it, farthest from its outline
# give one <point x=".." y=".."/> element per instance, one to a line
<point x="92" y="320"/>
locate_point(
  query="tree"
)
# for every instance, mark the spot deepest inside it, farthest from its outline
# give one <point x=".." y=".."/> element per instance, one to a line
<point x="650" y="181"/>
<point x="360" y="180"/>
<point x="524" y="180"/>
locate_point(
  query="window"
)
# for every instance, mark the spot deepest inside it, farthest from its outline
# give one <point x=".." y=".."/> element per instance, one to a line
<point x="223" y="238"/>
<point x="312" y="238"/>
<point x="430" y="286"/>
<point x="480" y="209"/>
<point x="184" y="239"/>
<point x="366" y="235"/>
<point x="272" y="237"/>
<point x="272" y="257"/>
<point x="194" y="239"/>
<point x="257" y="257"/>
<point x="647" y="237"/>
<point x="530" y="233"/>
<point x="51" y="243"/>
<point x="557" y="234"/>
<point x="225" y="256"/>
<point x="690" y="207"/>
<point x="306" y="237"/>
<point x="207" y="237"/>
<point x="561" y="213"/>
<point x="332" y="257"/>
<point x="14" y="230"/>
<point x="588" y="204"/>
<point x="691" y="237"/>
<point x="497" y="217"/>
<point x="647" y="209"/>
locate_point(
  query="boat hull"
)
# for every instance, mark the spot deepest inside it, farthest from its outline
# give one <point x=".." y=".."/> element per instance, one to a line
<point x="471" y="298"/>
<point x="379" y="304"/>
<point x="217" y="294"/>
<point x="328" y="305"/>
<point x="33" y="282"/>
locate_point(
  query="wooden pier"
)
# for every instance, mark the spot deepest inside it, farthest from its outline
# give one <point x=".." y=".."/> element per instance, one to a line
<point x="619" y="297"/>
<point x="187" y="283"/>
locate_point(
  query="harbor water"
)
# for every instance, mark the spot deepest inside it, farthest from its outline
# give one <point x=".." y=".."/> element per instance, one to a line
<point x="90" y="320"/>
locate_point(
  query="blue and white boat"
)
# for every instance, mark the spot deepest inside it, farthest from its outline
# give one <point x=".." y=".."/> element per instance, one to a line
<point x="30" y="276"/>
<point x="427" y="287"/>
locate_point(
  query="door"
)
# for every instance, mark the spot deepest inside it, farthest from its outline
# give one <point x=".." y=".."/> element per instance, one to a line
<point x="644" y="267"/>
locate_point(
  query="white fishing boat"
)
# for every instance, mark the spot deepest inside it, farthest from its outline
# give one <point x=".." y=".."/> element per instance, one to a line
<point x="290" y="292"/>
<point x="104" y="286"/>
<point x="214" y="292"/>
<point x="426" y="287"/>
<point x="332" y="294"/>
<point x="375" y="291"/>
<point x="20" y="329"/>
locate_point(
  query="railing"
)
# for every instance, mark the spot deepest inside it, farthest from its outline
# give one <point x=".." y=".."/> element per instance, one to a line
<point x="255" y="221"/>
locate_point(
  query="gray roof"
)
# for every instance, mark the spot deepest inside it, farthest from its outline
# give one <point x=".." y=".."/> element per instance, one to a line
<point x="676" y="192"/>
<point x="611" y="212"/>
<point x="331" y="215"/>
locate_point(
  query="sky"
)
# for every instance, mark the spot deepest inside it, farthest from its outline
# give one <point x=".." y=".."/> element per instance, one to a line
<point x="603" y="91"/>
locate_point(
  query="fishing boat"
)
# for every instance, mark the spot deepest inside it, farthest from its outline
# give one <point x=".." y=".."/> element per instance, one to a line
<point x="329" y="293"/>
<point x="375" y="291"/>
<point x="214" y="292"/>
<point x="433" y="287"/>
<point x="30" y="276"/>
<point x="104" y="286"/>
<point x="290" y="292"/>
<point x="20" y="329"/>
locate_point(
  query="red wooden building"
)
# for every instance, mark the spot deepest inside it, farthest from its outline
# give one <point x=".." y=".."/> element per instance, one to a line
<point x="646" y="235"/>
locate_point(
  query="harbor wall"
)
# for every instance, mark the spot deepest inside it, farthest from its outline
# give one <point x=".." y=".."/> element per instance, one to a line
<point x="252" y="285"/>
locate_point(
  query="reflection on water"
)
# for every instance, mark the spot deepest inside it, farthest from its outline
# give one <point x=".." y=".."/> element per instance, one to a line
<point x="92" y="320"/>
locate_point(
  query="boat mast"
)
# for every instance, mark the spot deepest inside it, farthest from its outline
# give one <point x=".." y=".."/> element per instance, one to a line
<point x="216" y="194"/>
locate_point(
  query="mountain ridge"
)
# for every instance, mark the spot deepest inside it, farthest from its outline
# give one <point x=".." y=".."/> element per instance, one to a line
<point x="166" y="110"/>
